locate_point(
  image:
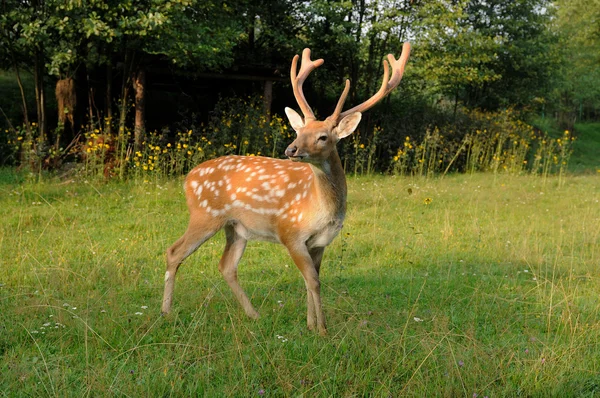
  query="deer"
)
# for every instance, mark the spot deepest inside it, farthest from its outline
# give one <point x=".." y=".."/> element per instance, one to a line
<point x="299" y="202"/>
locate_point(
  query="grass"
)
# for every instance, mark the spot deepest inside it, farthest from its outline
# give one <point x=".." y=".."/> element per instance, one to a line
<point x="490" y="289"/>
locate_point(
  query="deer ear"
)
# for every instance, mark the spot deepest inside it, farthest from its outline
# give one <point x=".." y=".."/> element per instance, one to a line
<point x="295" y="119"/>
<point x="347" y="125"/>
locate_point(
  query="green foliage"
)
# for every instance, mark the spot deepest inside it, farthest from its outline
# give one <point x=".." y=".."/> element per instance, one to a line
<point x="532" y="56"/>
<point x="586" y="148"/>
<point x="577" y="95"/>
<point x="483" y="285"/>
<point x="453" y="56"/>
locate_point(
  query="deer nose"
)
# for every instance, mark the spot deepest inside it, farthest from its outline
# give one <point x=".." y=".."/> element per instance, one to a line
<point x="291" y="151"/>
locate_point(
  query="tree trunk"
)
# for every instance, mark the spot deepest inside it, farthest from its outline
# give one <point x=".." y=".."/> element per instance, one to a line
<point x="23" y="98"/>
<point x="355" y="65"/>
<point x="139" y="85"/>
<point x="455" y="104"/>
<point x="90" y="99"/>
<point x="124" y="96"/>
<point x="40" y="100"/>
<point x="268" y="99"/>
<point x="66" y="100"/>
<point x="108" y="118"/>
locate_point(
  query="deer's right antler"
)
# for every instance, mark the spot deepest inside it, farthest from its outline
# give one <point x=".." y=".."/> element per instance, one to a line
<point x="387" y="85"/>
<point x="306" y="68"/>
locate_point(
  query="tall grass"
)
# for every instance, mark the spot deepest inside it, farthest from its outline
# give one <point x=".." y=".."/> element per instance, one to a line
<point x="497" y="142"/>
<point x="457" y="286"/>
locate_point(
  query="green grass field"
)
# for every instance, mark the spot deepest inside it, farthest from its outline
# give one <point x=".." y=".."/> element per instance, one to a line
<point x="490" y="289"/>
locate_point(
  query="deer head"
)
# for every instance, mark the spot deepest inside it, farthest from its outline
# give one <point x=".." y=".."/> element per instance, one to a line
<point x="315" y="141"/>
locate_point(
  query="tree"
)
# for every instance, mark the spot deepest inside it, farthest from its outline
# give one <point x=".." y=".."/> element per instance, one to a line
<point x="578" y="90"/>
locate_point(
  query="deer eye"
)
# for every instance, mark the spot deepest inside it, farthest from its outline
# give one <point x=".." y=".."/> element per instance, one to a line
<point x="322" y="138"/>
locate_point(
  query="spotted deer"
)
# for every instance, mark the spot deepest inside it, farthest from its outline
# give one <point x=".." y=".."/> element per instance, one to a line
<point x="299" y="202"/>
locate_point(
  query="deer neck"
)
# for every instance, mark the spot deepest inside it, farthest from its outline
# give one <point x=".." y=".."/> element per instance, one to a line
<point x="331" y="181"/>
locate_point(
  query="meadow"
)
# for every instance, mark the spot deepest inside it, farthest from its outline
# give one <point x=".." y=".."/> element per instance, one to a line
<point x="465" y="285"/>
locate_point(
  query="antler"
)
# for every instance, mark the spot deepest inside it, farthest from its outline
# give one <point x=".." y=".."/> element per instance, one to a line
<point x="386" y="86"/>
<point x="305" y="69"/>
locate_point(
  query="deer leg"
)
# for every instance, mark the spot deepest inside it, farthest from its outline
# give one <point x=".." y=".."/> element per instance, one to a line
<point x="304" y="261"/>
<point x="316" y="254"/>
<point x="234" y="248"/>
<point x="196" y="234"/>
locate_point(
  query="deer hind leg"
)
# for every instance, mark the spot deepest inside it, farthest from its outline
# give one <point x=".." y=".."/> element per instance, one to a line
<point x="199" y="230"/>
<point x="234" y="248"/>
<point x="309" y="263"/>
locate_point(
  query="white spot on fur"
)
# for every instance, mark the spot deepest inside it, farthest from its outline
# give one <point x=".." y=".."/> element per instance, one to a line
<point x="167" y="276"/>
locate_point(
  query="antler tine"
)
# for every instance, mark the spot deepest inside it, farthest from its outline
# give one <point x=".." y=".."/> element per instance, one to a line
<point x="338" y="109"/>
<point x="306" y="68"/>
<point x="387" y="85"/>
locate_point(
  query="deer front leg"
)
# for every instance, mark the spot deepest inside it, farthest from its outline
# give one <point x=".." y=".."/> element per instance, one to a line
<point x="316" y="254"/>
<point x="305" y="263"/>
